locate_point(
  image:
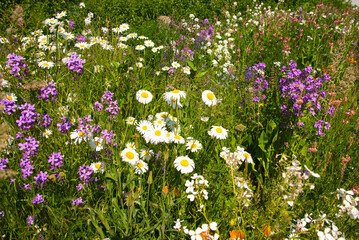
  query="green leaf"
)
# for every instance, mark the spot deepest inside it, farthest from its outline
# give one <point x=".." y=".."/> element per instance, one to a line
<point x="262" y="141"/>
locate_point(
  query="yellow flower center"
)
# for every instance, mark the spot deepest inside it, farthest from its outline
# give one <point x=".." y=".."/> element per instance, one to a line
<point x="130" y="155"/>
<point x="97" y="143"/>
<point x="174" y="100"/>
<point x="144" y="127"/>
<point x="47" y="133"/>
<point x="130" y="146"/>
<point x="144" y="95"/>
<point x="98" y="165"/>
<point x="159" y="122"/>
<point x="246" y="155"/>
<point x="8" y="97"/>
<point x="219" y="130"/>
<point x="81" y="134"/>
<point x="82" y="45"/>
<point x="193" y="146"/>
<point x="168" y="135"/>
<point x="158" y="133"/>
<point x="146" y="153"/>
<point x="163" y="115"/>
<point x="176" y="91"/>
<point x="45" y="64"/>
<point x="140" y="165"/>
<point x="184" y="163"/>
<point x="177" y="137"/>
<point x="210" y="96"/>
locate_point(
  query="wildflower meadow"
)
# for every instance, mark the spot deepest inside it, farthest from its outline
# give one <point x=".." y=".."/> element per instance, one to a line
<point x="242" y="125"/>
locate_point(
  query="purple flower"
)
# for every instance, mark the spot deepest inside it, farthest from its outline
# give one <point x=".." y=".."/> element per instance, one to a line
<point x="40" y="178"/>
<point x="47" y="92"/>
<point x="85" y="173"/>
<point x="80" y="39"/>
<point x="74" y="64"/>
<point x="2" y="214"/>
<point x="55" y="160"/>
<point x="27" y="186"/>
<point x="10" y="106"/>
<point x="28" y="116"/>
<point x="38" y="199"/>
<point x="71" y="24"/>
<point x="3" y="163"/>
<point x="205" y="21"/>
<point x="46" y="120"/>
<point x="78" y="201"/>
<point x="30" y="221"/>
<point x="65" y="125"/>
<point x="79" y="187"/>
<point x="15" y="62"/>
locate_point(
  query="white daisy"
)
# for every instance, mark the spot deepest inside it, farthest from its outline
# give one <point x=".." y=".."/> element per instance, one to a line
<point x="175" y="65"/>
<point x="174" y="126"/>
<point x="204" y="119"/>
<point x="98" y="68"/>
<point x="46" y="64"/>
<point x="11" y="97"/>
<point x="116" y="30"/>
<point x="140" y="47"/>
<point x="178" y="139"/>
<point x="208" y="98"/>
<point x="156" y="135"/>
<point x="159" y="122"/>
<point x="130" y="145"/>
<point x="82" y="45"/>
<point x="47" y="133"/>
<point x="154" y="49"/>
<point x="165" y="68"/>
<point x="123" y="39"/>
<point x="193" y="145"/>
<point x="175" y="94"/>
<point x="143" y="126"/>
<point x="139" y="64"/>
<point x="218" y="132"/>
<point x="64" y="110"/>
<point x="141" y="167"/>
<point x="149" y="43"/>
<point x="130" y="155"/>
<point x="79" y="135"/>
<point x="146" y="154"/>
<point x="174" y="103"/>
<point x="61" y="14"/>
<point x="68" y="36"/>
<point x="132" y="35"/>
<point x="131" y="120"/>
<point x="245" y="156"/>
<point x="97" y="167"/>
<point x="124" y="27"/>
<point x="142" y="37"/>
<point x="184" y="164"/>
<point x="187" y="70"/>
<point x="144" y="96"/>
<point x="122" y="45"/>
<point x="96" y="144"/>
<point x="162" y="115"/>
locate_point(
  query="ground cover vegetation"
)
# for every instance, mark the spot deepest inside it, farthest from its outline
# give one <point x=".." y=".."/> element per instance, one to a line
<point x="238" y="126"/>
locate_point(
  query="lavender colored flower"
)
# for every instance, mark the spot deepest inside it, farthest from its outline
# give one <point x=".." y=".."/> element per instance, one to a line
<point x="10" y="106"/>
<point x="28" y="116"/>
<point x="71" y="24"/>
<point x="27" y="186"/>
<point x="47" y="92"/>
<point x="29" y="149"/>
<point x="2" y="214"/>
<point x="15" y="62"/>
<point x="85" y="173"/>
<point x="74" y="63"/>
<point x="205" y="21"/>
<point x="46" y="120"/>
<point x="41" y="178"/>
<point x="3" y="163"/>
<point x="55" y="160"/>
<point x="65" y="125"/>
<point x="37" y="199"/>
<point x="79" y="187"/>
<point x="30" y="221"/>
<point x="77" y="201"/>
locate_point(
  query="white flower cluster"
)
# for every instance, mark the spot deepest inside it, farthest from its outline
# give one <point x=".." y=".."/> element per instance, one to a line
<point x="325" y="228"/>
<point x="204" y="232"/>
<point x="349" y="204"/>
<point x="196" y="188"/>
<point x="246" y="193"/>
<point x="237" y="157"/>
<point x="294" y="180"/>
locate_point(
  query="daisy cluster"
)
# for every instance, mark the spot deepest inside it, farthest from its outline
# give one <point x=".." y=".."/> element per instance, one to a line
<point x="348" y="205"/>
<point x="324" y="227"/>
<point x="236" y="158"/>
<point x="196" y="188"/>
<point x="295" y="180"/>
<point x="207" y="232"/>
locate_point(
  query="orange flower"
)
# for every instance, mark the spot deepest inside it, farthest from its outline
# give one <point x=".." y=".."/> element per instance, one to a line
<point x="267" y="230"/>
<point x="165" y="190"/>
<point x="236" y="234"/>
